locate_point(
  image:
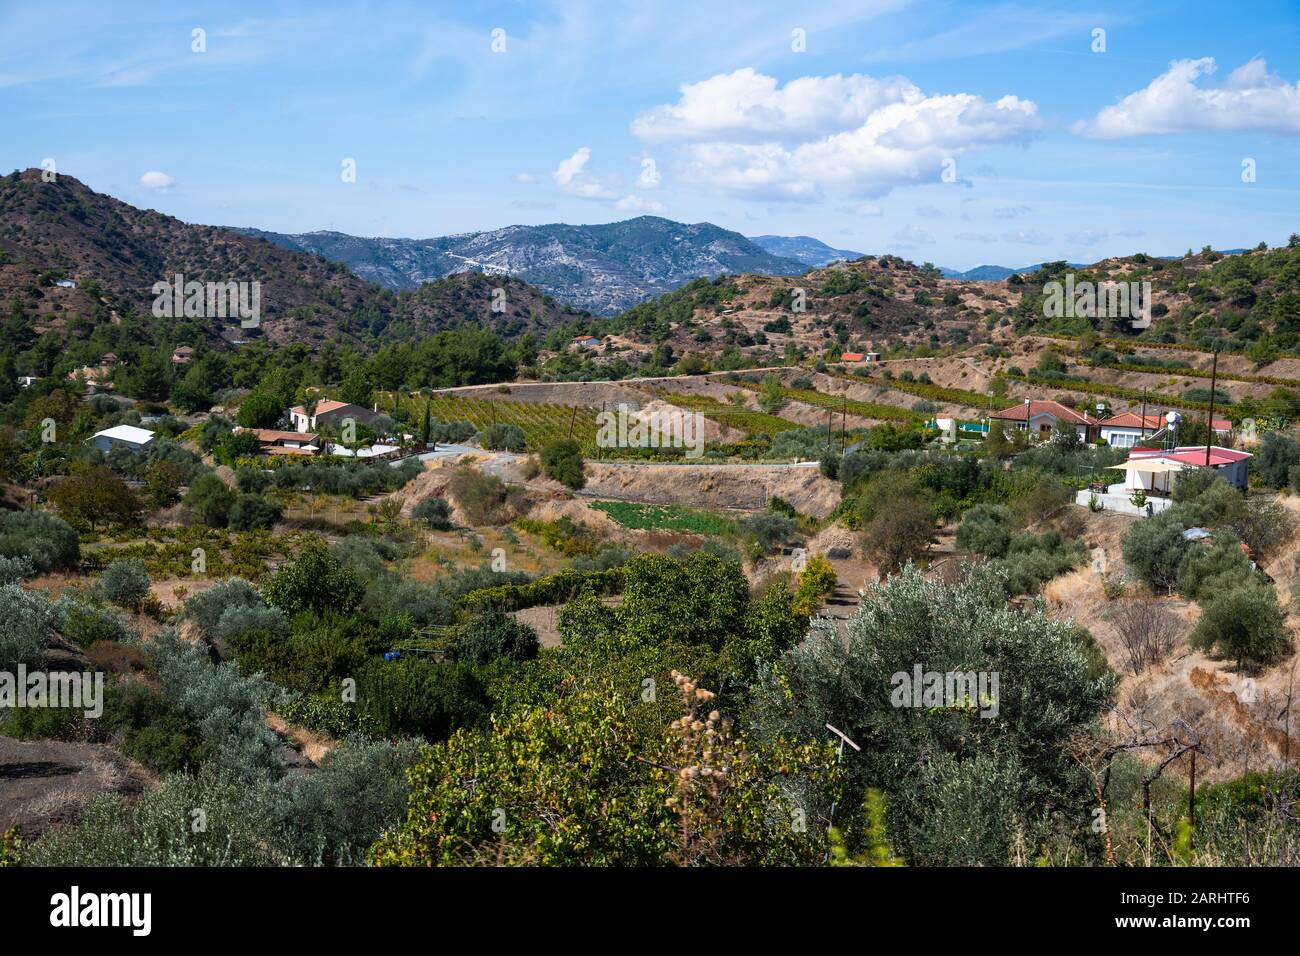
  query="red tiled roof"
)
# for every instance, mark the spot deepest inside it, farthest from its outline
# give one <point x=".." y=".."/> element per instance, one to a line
<point x="322" y="407"/>
<point x="1194" y="455"/>
<point x="272" y="435"/>
<point x="1134" y="420"/>
<point x="1027" y="410"/>
<point x="852" y="357"/>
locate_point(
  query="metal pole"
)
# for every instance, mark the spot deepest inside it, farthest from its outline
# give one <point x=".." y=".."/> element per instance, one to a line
<point x="1209" y="422"/>
<point x="1144" y="413"/>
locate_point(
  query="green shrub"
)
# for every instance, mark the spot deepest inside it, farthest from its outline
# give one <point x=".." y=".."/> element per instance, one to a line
<point x="434" y="512"/>
<point x="251" y="512"/>
<point x="563" y="462"/>
<point x="491" y="636"/>
<point x="46" y="540"/>
<point x="125" y="583"/>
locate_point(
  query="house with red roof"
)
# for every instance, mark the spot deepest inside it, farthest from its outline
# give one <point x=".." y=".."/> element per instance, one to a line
<point x="1231" y="464"/>
<point x="1128" y="428"/>
<point x="1041" y="418"/>
<point x="328" y="411"/>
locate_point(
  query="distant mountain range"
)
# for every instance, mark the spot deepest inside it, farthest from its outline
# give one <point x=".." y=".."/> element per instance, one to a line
<point x="805" y="249"/>
<point x="993" y="273"/>
<point x="604" y="269"/>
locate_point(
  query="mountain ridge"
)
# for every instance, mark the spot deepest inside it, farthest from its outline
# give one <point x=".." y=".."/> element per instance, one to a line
<point x="603" y="268"/>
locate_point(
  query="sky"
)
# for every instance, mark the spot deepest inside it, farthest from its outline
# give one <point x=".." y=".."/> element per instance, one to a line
<point x="959" y="133"/>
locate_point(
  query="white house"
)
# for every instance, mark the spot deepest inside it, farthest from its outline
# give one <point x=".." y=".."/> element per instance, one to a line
<point x="1232" y="465"/>
<point x="328" y="410"/>
<point x="123" y="436"/>
<point x="1042" y="417"/>
<point x="1128" y="428"/>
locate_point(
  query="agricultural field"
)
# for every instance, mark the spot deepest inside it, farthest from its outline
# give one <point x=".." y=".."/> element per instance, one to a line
<point x="837" y="403"/>
<point x="733" y="416"/>
<point x="641" y="517"/>
<point x="541" y="424"/>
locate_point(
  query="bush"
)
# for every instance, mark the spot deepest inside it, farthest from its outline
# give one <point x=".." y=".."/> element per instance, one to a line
<point x="253" y="512"/>
<point x="1276" y="456"/>
<point x="899" y="534"/>
<point x="562" y="461"/>
<point x="986" y="530"/>
<point x="1154" y="549"/>
<point x="481" y="497"/>
<point x="1244" y="623"/>
<point x="84" y="624"/>
<point x="769" y="531"/>
<point x="315" y="581"/>
<point x="816" y="580"/>
<point x="13" y="570"/>
<point x="206" y="608"/>
<point x="1208" y="570"/>
<point x="209" y="500"/>
<point x="434" y="512"/>
<point x="491" y="635"/>
<point x="418" y="697"/>
<point x="502" y="437"/>
<point x="26" y="623"/>
<point x="125" y="583"/>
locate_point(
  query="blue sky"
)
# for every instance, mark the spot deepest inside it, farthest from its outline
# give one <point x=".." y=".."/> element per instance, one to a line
<point x="955" y="132"/>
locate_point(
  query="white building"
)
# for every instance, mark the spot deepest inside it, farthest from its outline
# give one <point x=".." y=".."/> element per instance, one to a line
<point x="123" y="436"/>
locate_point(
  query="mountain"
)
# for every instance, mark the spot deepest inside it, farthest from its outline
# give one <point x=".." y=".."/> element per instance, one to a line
<point x="604" y="269"/>
<point x="805" y="249"/>
<point x="116" y="252"/>
<point x="995" y="273"/>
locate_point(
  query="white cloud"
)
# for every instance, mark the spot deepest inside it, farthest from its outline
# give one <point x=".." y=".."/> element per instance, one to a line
<point x="526" y="178"/>
<point x="156" y="180"/>
<point x="1026" y="237"/>
<point x="1089" y="237"/>
<point x="639" y="204"/>
<point x="1250" y="99"/>
<point x="572" y="176"/>
<point x="913" y="234"/>
<point x="1011" y="212"/>
<point x="742" y="133"/>
<point x="866" y="210"/>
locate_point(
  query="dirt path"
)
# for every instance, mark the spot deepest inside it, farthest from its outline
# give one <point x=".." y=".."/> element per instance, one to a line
<point x="45" y="782"/>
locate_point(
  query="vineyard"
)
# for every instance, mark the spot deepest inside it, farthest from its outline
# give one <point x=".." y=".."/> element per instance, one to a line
<point x="732" y="416"/>
<point x="927" y="390"/>
<point x="837" y="403"/>
<point x="541" y="424"/>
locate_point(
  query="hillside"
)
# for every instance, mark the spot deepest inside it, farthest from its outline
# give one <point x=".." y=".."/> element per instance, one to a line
<point x="600" y="268"/>
<point x="116" y="252"/>
<point x="805" y="249"/>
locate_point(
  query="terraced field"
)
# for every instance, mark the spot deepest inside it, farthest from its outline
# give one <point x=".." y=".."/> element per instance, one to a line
<point x="541" y="424"/>
<point x="732" y="416"/>
<point x="643" y="517"/>
<point x="876" y="410"/>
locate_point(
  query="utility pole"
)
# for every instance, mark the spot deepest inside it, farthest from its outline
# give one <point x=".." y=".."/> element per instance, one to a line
<point x="844" y="424"/>
<point x="1144" y="413"/>
<point x="1209" y="422"/>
